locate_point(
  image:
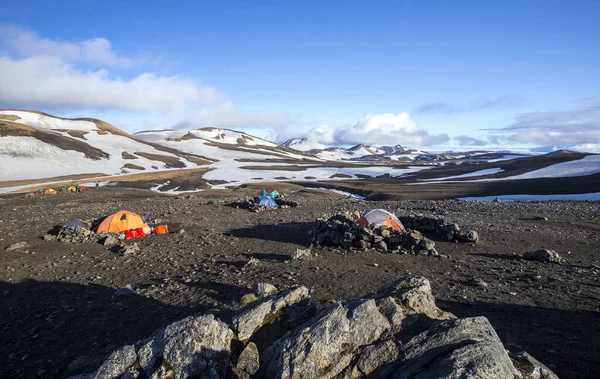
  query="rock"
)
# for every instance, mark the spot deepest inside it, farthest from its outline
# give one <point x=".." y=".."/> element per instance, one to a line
<point x="117" y="363"/>
<point x="414" y="294"/>
<point x="325" y="346"/>
<point x="543" y="255"/>
<point x="49" y="237"/>
<point x="381" y="245"/>
<point x="465" y="348"/>
<point x="123" y="291"/>
<point x="529" y="367"/>
<point x="248" y="360"/>
<point x="302" y="254"/>
<point x="264" y="289"/>
<point x="472" y="236"/>
<point x="427" y="244"/>
<point x="374" y="356"/>
<point x="181" y="231"/>
<point x="110" y="240"/>
<point x="197" y="346"/>
<point x="129" y="249"/>
<point x="252" y="262"/>
<point x="415" y="236"/>
<point x="477" y="282"/>
<point x="248" y="298"/>
<point x="252" y="317"/>
<point x="392" y="311"/>
<point x="540" y="218"/>
<point x="16" y="246"/>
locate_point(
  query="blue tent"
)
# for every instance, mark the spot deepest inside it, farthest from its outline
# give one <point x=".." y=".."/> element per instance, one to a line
<point x="266" y="201"/>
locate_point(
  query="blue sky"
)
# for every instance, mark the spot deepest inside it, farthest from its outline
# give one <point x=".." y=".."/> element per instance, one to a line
<point x="431" y="74"/>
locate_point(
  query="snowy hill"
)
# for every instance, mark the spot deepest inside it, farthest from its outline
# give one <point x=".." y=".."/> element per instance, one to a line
<point x="222" y="144"/>
<point x="35" y="145"/>
<point x="303" y="144"/>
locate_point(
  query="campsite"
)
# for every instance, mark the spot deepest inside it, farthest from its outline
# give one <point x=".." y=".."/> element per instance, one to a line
<point x="63" y="315"/>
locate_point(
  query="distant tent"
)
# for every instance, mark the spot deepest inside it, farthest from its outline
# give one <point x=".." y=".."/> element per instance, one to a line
<point x="120" y="222"/>
<point x="72" y="189"/>
<point x="49" y="191"/>
<point x="380" y="217"/>
<point x="76" y="223"/>
<point x="266" y="201"/>
<point x="274" y="194"/>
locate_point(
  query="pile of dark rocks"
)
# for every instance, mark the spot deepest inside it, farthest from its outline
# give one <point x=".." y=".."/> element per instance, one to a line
<point x="441" y="227"/>
<point x="341" y="230"/>
<point x="252" y="206"/>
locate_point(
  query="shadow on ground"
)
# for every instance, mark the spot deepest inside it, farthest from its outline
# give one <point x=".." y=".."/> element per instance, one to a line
<point x="293" y="232"/>
<point x="523" y="325"/>
<point x="47" y="325"/>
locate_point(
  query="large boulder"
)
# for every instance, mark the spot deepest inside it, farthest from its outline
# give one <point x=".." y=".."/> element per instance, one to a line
<point x="195" y="346"/>
<point x="255" y="314"/>
<point x="326" y="345"/>
<point x="461" y="348"/>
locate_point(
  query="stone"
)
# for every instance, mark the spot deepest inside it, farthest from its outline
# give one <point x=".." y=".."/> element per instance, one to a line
<point x="427" y="244"/>
<point x="123" y="291"/>
<point x="543" y="255"/>
<point x="477" y="282"/>
<point x="472" y="236"/>
<point x="248" y="298"/>
<point x="381" y="245"/>
<point x="117" y="363"/>
<point x="414" y="294"/>
<point x="110" y="240"/>
<point x="252" y="317"/>
<point x="197" y="346"/>
<point x="248" y="361"/>
<point x="392" y="311"/>
<point x="252" y="262"/>
<point x="529" y="367"/>
<point x="264" y="289"/>
<point x="16" y="246"/>
<point x="302" y="254"/>
<point x="374" y="356"/>
<point x="459" y="348"/>
<point x="415" y="236"/>
<point x="49" y="237"/>
<point x="129" y="249"/>
<point x="326" y="345"/>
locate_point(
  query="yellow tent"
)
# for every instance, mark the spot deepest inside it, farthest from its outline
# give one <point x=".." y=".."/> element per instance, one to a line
<point x="49" y="191"/>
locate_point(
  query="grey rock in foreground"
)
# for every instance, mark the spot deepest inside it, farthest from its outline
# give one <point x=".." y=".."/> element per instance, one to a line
<point x="398" y="332"/>
<point x="254" y="314"/>
<point x="460" y="348"/>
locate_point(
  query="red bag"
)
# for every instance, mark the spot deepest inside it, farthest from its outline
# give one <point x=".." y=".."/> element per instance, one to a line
<point x="134" y="233"/>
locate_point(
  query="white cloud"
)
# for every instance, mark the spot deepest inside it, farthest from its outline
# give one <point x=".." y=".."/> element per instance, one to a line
<point x="576" y="129"/>
<point x="481" y="103"/>
<point x="43" y="81"/>
<point x="378" y="129"/>
<point x="97" y="51"/>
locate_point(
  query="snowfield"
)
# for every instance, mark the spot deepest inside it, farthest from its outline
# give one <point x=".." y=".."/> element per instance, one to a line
<point x="489" y="171"/>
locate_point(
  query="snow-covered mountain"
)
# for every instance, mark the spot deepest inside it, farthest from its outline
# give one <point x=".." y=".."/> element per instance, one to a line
<point x="303" y="144"/>
<point x="222" y="144"/>
<point x="36" y="145"/>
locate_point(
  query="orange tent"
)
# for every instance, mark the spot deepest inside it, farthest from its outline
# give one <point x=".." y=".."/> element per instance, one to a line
<point x="120" y="222"/>
<point x="49" y="191"/>
<point x="380" y="217"/>
<point x="72" y="189"/>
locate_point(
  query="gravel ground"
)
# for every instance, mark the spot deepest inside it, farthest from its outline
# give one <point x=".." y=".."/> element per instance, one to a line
<point x="59" y="316"/>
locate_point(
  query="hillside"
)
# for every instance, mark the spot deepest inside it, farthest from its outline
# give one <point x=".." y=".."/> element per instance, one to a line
<point x="36" y="145"/>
